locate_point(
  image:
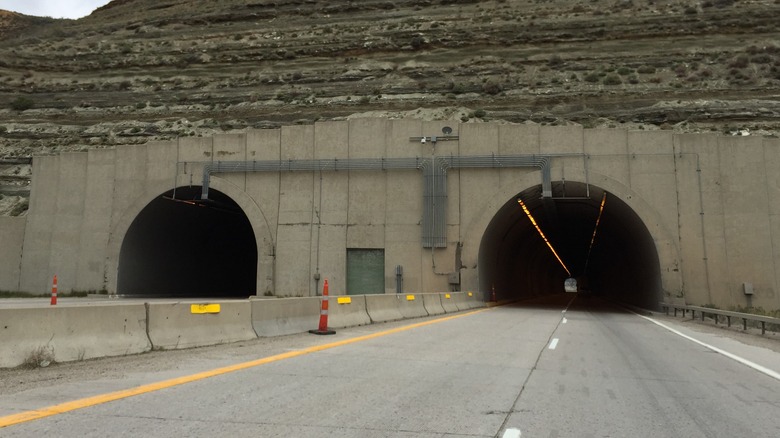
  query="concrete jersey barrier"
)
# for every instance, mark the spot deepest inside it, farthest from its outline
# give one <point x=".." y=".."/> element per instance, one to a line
<point x="346" y="311"/>
<point x="472" y="300"/>
<point x="178" y="325"/>
<point x="383" y="308"/>
<point x="276" y="317"/>
<point x="411" y="305"/>
<point x="432" y="303"/>
<point x="460" y="300"/>
<point x="72" y="333"/>
<point x="448" y="302"/>
<point x="82" y="332"/>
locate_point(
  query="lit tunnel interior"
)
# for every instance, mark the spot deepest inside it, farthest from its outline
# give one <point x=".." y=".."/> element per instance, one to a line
<point x="186" y="248"/>
<point x="623" y="262"/>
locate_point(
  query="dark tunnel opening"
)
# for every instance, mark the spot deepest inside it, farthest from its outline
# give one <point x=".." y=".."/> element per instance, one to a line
<point x="179" y="246"/>
<point x="622" y="264"/>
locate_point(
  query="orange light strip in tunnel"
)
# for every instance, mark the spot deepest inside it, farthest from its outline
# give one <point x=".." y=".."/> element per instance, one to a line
<point x="596" y="228"/>
<point x="539" y="230"/>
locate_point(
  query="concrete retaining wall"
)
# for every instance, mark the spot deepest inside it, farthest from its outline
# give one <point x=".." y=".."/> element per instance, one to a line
<point x="173" y="325"/>
<point x="72" y="333"/>
<point x="275" y="317"/>
<point x="12" y="238"/>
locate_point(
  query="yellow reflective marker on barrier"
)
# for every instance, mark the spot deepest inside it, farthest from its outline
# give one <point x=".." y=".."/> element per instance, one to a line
<point x="447" y="296"/>
<point x="205" y="308"/>
<point x="470" y="294"/>
<point x="344" y="300"/>
<point x="410" y="298"/>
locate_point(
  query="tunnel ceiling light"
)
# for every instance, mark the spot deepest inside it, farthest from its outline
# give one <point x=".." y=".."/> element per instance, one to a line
<point x="595" y="229"/>
<point x="539" y="230"/>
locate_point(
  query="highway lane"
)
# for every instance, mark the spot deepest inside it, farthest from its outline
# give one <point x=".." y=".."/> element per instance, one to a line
<point x="485" y="374"/>
<point x="615" y="374"/>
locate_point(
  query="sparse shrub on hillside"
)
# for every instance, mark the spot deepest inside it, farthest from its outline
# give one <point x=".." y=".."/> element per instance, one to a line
<point x="458" y="88"/>
<point x="491" y="87"/>
<point x="762" y="58"/>
<point x="555" y="61"/>
<point x="592" y="77"/>
<point x="612" y="79"/>
<point x="480" y="113"/>
<point x="22" y="103"/>
<point x="740" y="61"/>
<point x="625" y="71"/>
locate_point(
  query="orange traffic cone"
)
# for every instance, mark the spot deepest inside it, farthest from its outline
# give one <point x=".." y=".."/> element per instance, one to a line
<point x="54" y="291"/>
<point x="323" y="328"/>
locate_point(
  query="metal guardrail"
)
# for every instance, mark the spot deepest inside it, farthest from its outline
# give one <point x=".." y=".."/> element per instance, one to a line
<point x="715" y="313"/>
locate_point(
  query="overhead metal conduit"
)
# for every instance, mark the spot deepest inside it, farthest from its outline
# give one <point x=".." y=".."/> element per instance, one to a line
<point x="434" y="223"/>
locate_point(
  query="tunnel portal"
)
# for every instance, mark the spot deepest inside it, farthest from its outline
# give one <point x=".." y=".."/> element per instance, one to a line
<point x="621" y="264"/>
<point x="179" y="246"/>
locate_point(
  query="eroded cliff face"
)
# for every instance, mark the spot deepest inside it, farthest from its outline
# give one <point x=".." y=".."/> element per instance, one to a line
<point x="138" y="70"/>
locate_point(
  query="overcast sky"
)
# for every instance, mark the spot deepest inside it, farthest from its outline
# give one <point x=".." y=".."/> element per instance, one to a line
<point x="53" y="8"/>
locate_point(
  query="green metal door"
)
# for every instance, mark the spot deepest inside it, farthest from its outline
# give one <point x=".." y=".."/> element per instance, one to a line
<point x="365" y="271"/>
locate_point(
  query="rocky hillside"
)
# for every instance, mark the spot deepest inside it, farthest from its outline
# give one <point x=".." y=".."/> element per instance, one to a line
<point x="137" y="70"/>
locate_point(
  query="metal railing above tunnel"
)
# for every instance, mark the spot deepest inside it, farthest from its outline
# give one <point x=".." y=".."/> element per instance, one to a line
<point x="434" y="174"/>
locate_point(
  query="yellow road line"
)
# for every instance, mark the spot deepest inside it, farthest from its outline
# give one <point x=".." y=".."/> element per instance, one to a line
<point x="62" y="408"/>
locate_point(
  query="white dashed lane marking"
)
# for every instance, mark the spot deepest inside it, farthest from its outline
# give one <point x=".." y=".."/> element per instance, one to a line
<point x="512" y="433"/>
<point x="553" y="344"/>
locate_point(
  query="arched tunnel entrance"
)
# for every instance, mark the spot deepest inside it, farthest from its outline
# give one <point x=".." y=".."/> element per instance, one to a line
<point x="179" y="246"/>
<point x="621" y="264"/>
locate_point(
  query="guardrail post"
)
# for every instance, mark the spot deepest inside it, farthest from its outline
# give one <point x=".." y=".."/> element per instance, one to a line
<point x="728" y="318"/>
<point x="763" y="328"/>
<point x="675" y="312"/>
<point x="744" y="323"/>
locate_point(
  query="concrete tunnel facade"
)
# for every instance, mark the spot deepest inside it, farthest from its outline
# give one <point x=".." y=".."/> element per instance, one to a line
<point x="687" y="218"/>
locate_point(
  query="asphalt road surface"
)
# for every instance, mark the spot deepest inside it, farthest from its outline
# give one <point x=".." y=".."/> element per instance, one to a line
<point x="553" y="368"/>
